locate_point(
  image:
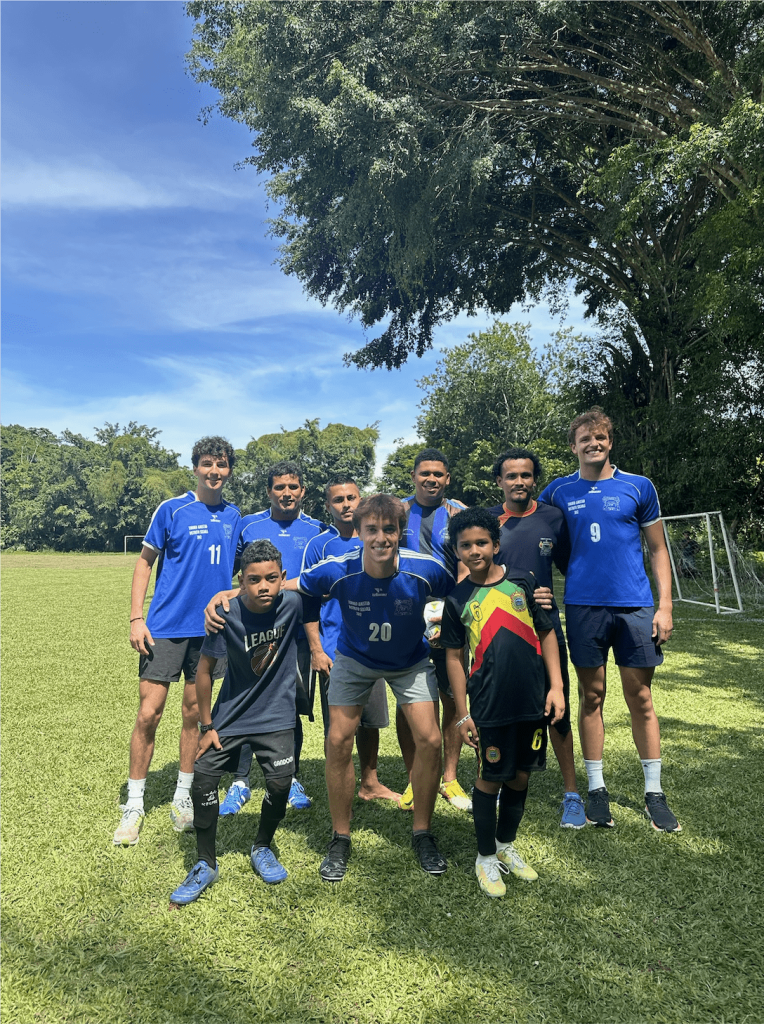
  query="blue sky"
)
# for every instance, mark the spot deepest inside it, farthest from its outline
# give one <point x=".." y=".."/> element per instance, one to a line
<point x="138" y="281"/>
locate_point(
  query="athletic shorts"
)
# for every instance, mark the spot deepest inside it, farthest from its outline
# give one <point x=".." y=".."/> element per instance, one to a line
<point x="563" y="726"/>
<point x="505" y="750"/>
<point x="305" y="692"/>
<point x="375" y="713"/>
<point x="274" y="752"/>
<point x="593" y="629"/>
<point x="172" y="655"/>
<point x="351" y="683"/>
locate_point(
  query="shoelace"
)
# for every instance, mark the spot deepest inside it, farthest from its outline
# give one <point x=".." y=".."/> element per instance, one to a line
<point x="517" y="861"/>
<point x="130" y="814"/>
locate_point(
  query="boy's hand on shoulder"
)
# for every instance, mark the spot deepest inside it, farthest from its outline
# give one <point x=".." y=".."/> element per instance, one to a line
<point x="213" y="623"/>
<point x="140" y="637"/>
<point x="207" y="740"/>
<point x="543" y="598"/>
<point x="555" y="706"/>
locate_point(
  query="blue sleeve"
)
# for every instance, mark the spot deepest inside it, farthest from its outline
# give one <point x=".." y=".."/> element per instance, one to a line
<point x="160" y="526"/>
<point x="312" y="553"/>
<point x="214" y="645"/>
<point x="315" y="581"/>
<point x="546" y="494"/>
<point x="649" y="510"/>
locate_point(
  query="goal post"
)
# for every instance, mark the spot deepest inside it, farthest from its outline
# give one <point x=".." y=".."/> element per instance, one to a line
<point x="132" y="536"/>
<point x="702" y="561"/>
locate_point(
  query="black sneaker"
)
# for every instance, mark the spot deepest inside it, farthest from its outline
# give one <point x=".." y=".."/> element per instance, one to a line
<point x="598" y="808"/>
<point x="335" y="863"/>
<point x="657" y="810"/>
<point x="431" y="859"/>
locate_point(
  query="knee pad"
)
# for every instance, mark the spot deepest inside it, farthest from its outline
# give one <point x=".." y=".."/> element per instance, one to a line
<point x="204" y="794"/>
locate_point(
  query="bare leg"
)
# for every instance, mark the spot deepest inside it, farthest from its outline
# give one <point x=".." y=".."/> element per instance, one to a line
<point x="152" y="699"/>
<point x="425" y="773"/>
<point x="639" y="699"/>
<point x="563" y="751"/>
<point x="189" y="734"/>
<point x="405" y="739"/>
<point x="340" y="771"/>
<point x="367" y="741"/>
<point x="452" y="740"/>
<point x="592" y="687"/>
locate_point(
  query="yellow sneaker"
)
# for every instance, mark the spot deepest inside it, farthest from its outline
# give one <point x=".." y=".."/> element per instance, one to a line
<point x="509" y="856"/>
<point x="488" y="871"/>
<point x="455" y="795"/>
<point x="406" y="802"/>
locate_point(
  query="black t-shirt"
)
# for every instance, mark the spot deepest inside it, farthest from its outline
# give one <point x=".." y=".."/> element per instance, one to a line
<point x="258" y="692"/>
<point x="531" y="543"/>
<point x="501" y="622"/>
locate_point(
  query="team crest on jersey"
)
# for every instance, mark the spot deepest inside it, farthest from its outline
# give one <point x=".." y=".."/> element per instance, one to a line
<point x="611" y="503"/>
<point x="492" y="754"/>
<point x="518" y="602"/>
<point x="403" y="606"/>
<point x="227" y="530"/>
<point x="545" y="546"/>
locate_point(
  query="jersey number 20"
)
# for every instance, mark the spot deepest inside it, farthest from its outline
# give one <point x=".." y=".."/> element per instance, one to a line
<point x="380" y="632"/>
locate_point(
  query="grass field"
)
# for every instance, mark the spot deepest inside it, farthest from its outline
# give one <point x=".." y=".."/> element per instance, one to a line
<point x="627" y="925"/>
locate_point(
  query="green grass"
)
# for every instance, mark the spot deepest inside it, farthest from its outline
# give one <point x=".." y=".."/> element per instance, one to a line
<point x="627" y="925"/>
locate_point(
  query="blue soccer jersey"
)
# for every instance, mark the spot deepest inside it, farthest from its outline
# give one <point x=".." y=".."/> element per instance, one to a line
<point x="604" y="518"/>
<point x="427" y="530"/>
<point x="381" y="618"/>
<point x="329" y="545"/>
<point x="196" y="545"/>
<point x="289" y="535"/>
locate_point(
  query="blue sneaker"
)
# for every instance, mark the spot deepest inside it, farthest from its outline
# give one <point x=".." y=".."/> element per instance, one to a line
<point x="200" y="877"/>
<point x="298" y="798"/>
<point x="573" y="813"/>
<point x="235" y="798"/>
<point x="266" y="866"/>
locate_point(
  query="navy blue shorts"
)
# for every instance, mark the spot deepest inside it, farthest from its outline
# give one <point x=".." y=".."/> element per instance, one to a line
<point x="593" y="629"/>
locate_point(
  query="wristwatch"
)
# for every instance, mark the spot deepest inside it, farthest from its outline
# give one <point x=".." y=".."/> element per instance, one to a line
<point x="205" y="728"/>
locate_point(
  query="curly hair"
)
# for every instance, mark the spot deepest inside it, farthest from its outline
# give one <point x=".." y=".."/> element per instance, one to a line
<point x="217" y="447"/>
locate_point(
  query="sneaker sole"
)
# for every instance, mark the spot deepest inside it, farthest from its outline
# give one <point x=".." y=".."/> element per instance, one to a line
<point x="331" y="878"/>
<point x="568" y="824"/>
<point x="601" y="824"/>
<point x="182" y="828"/>
<point x="668" y="831"/>
<point x="126" y="842"/>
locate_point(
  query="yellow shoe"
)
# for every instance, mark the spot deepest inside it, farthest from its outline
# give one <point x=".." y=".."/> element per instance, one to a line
<point x="455" y="795"/>
<point x="406" y="802"/>
<point x="129" y="827"/>
<point x="509" y="856"/>
<point x="488" y="871"/>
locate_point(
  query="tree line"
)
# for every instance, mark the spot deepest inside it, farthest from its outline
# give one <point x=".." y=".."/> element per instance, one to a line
<point x="492" y="392"/>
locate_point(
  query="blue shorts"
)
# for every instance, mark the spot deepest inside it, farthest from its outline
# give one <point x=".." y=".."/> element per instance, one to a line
<point x="593" y="629"/>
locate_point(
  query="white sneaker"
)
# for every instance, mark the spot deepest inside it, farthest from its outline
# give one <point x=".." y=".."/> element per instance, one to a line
<point x="182" y="814"/>
<point x="509" y="856"/>
<point x="130" y="826"/>
<point x="488" y="871"/>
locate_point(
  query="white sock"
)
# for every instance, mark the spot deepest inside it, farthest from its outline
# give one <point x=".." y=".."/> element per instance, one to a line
<point x="135" y="791"/>
<point x="651" y="766"/>
<point x="502" y="846"/>
<point x="183" y="788"/>
<point x="480" y="859"/>
<point x="594" y="774"/>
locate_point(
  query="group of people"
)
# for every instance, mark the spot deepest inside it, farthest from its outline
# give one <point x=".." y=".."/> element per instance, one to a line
<point x="344" y="607"/>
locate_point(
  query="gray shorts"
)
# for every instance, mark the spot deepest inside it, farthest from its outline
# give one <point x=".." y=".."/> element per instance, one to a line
<point x="172" y="655"/>
<point x="375" y="713"/>
<point x="351" y="683"/>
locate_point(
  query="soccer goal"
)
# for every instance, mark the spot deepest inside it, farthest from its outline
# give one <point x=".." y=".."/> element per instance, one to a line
<point x="703" y="561"/>
<point x="132" y="536"/>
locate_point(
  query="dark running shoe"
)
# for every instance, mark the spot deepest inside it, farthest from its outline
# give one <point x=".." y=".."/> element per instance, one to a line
<point x="598" y="808"/>
<point x="431" y="859"/>
<point x="335" y="863"/>
<point x="657" y="810"/>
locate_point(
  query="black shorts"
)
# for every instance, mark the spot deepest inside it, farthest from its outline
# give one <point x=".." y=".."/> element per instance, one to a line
<point x="172" y="655"/>
<point x="305" y="691"/>
<point x="438" y="658"/>
<point x="274" y="752"/>
<point x="505" y="750"/>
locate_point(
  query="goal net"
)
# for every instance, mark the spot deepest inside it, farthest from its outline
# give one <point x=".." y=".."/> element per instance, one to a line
<point x="134" y="541"/>
<point x="705" y="564"/>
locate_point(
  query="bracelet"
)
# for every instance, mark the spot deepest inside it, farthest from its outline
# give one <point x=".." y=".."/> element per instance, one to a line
<point x="463" y="720"/>
<point x="136" y="618"/>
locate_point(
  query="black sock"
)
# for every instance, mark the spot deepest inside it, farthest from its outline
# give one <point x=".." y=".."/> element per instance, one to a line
<point x="204" y="794"/>
<point x="511" y="807"/>
<point x="297" y="743"/>
<point x="484" y="816"/>
<point x="273" y="809"/>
